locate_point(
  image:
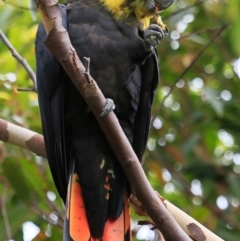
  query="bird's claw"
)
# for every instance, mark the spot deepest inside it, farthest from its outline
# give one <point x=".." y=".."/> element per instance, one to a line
<point x="166" y="31"/>
<point x="158" y="20"/>
<point x="110" y="106"/>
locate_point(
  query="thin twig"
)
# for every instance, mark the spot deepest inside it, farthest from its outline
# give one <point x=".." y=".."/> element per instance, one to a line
<point x="45" y="216"/>
<point x="191" y="65"/>
<point x="27" y="89"/>
<point x="184" y="9"/>
<point x="20" y="59"/>
<point x="4" y="213"/>
<point x="17" y="6"/>
<point x="186" y="36"/>
<point x="56" y="208"/>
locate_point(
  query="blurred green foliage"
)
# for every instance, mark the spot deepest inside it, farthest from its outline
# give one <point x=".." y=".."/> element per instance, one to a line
<point x="193" y="154"/>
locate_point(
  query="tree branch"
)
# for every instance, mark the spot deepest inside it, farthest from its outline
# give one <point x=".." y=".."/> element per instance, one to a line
<point x="21" y="60"/>
<point x="10" y="133"/>
<point x="22" y="137"/>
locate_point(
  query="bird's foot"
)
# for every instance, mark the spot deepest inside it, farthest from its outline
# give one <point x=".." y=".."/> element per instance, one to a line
<point x="110" y="106"/>
<point x="153" y="35"/>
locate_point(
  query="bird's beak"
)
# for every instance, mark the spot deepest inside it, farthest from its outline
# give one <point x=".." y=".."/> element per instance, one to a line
<point x="152" y="6"/>
<point x="155" y="6"/>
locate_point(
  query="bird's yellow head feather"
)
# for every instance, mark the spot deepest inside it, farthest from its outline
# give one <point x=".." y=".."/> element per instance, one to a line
<point x="123" y="8"/>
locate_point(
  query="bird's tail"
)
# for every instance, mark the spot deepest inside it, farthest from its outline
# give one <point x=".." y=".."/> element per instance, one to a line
<point x="76" y="226"/>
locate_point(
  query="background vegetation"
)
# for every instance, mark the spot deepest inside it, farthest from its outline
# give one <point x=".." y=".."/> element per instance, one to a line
<point x="193" y="154"/>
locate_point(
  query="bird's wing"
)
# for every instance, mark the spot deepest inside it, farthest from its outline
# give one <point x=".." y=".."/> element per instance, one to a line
<point x="150" y="78"/>
<point x="50" y="76"/>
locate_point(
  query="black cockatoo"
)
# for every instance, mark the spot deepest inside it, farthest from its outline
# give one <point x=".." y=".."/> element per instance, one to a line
<point x="120" y="41"/>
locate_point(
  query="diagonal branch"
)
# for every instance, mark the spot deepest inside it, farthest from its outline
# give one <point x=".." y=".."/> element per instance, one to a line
<point x="20" y="59"/>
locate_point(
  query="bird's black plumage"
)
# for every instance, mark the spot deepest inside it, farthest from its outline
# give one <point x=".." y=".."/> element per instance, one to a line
<point x="127" y="73"/>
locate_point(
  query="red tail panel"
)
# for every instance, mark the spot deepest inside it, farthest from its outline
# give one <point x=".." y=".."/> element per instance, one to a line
<point x="115" y="230"/>
<point x="118" y="230"/>
<point x="79" y="229"/>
